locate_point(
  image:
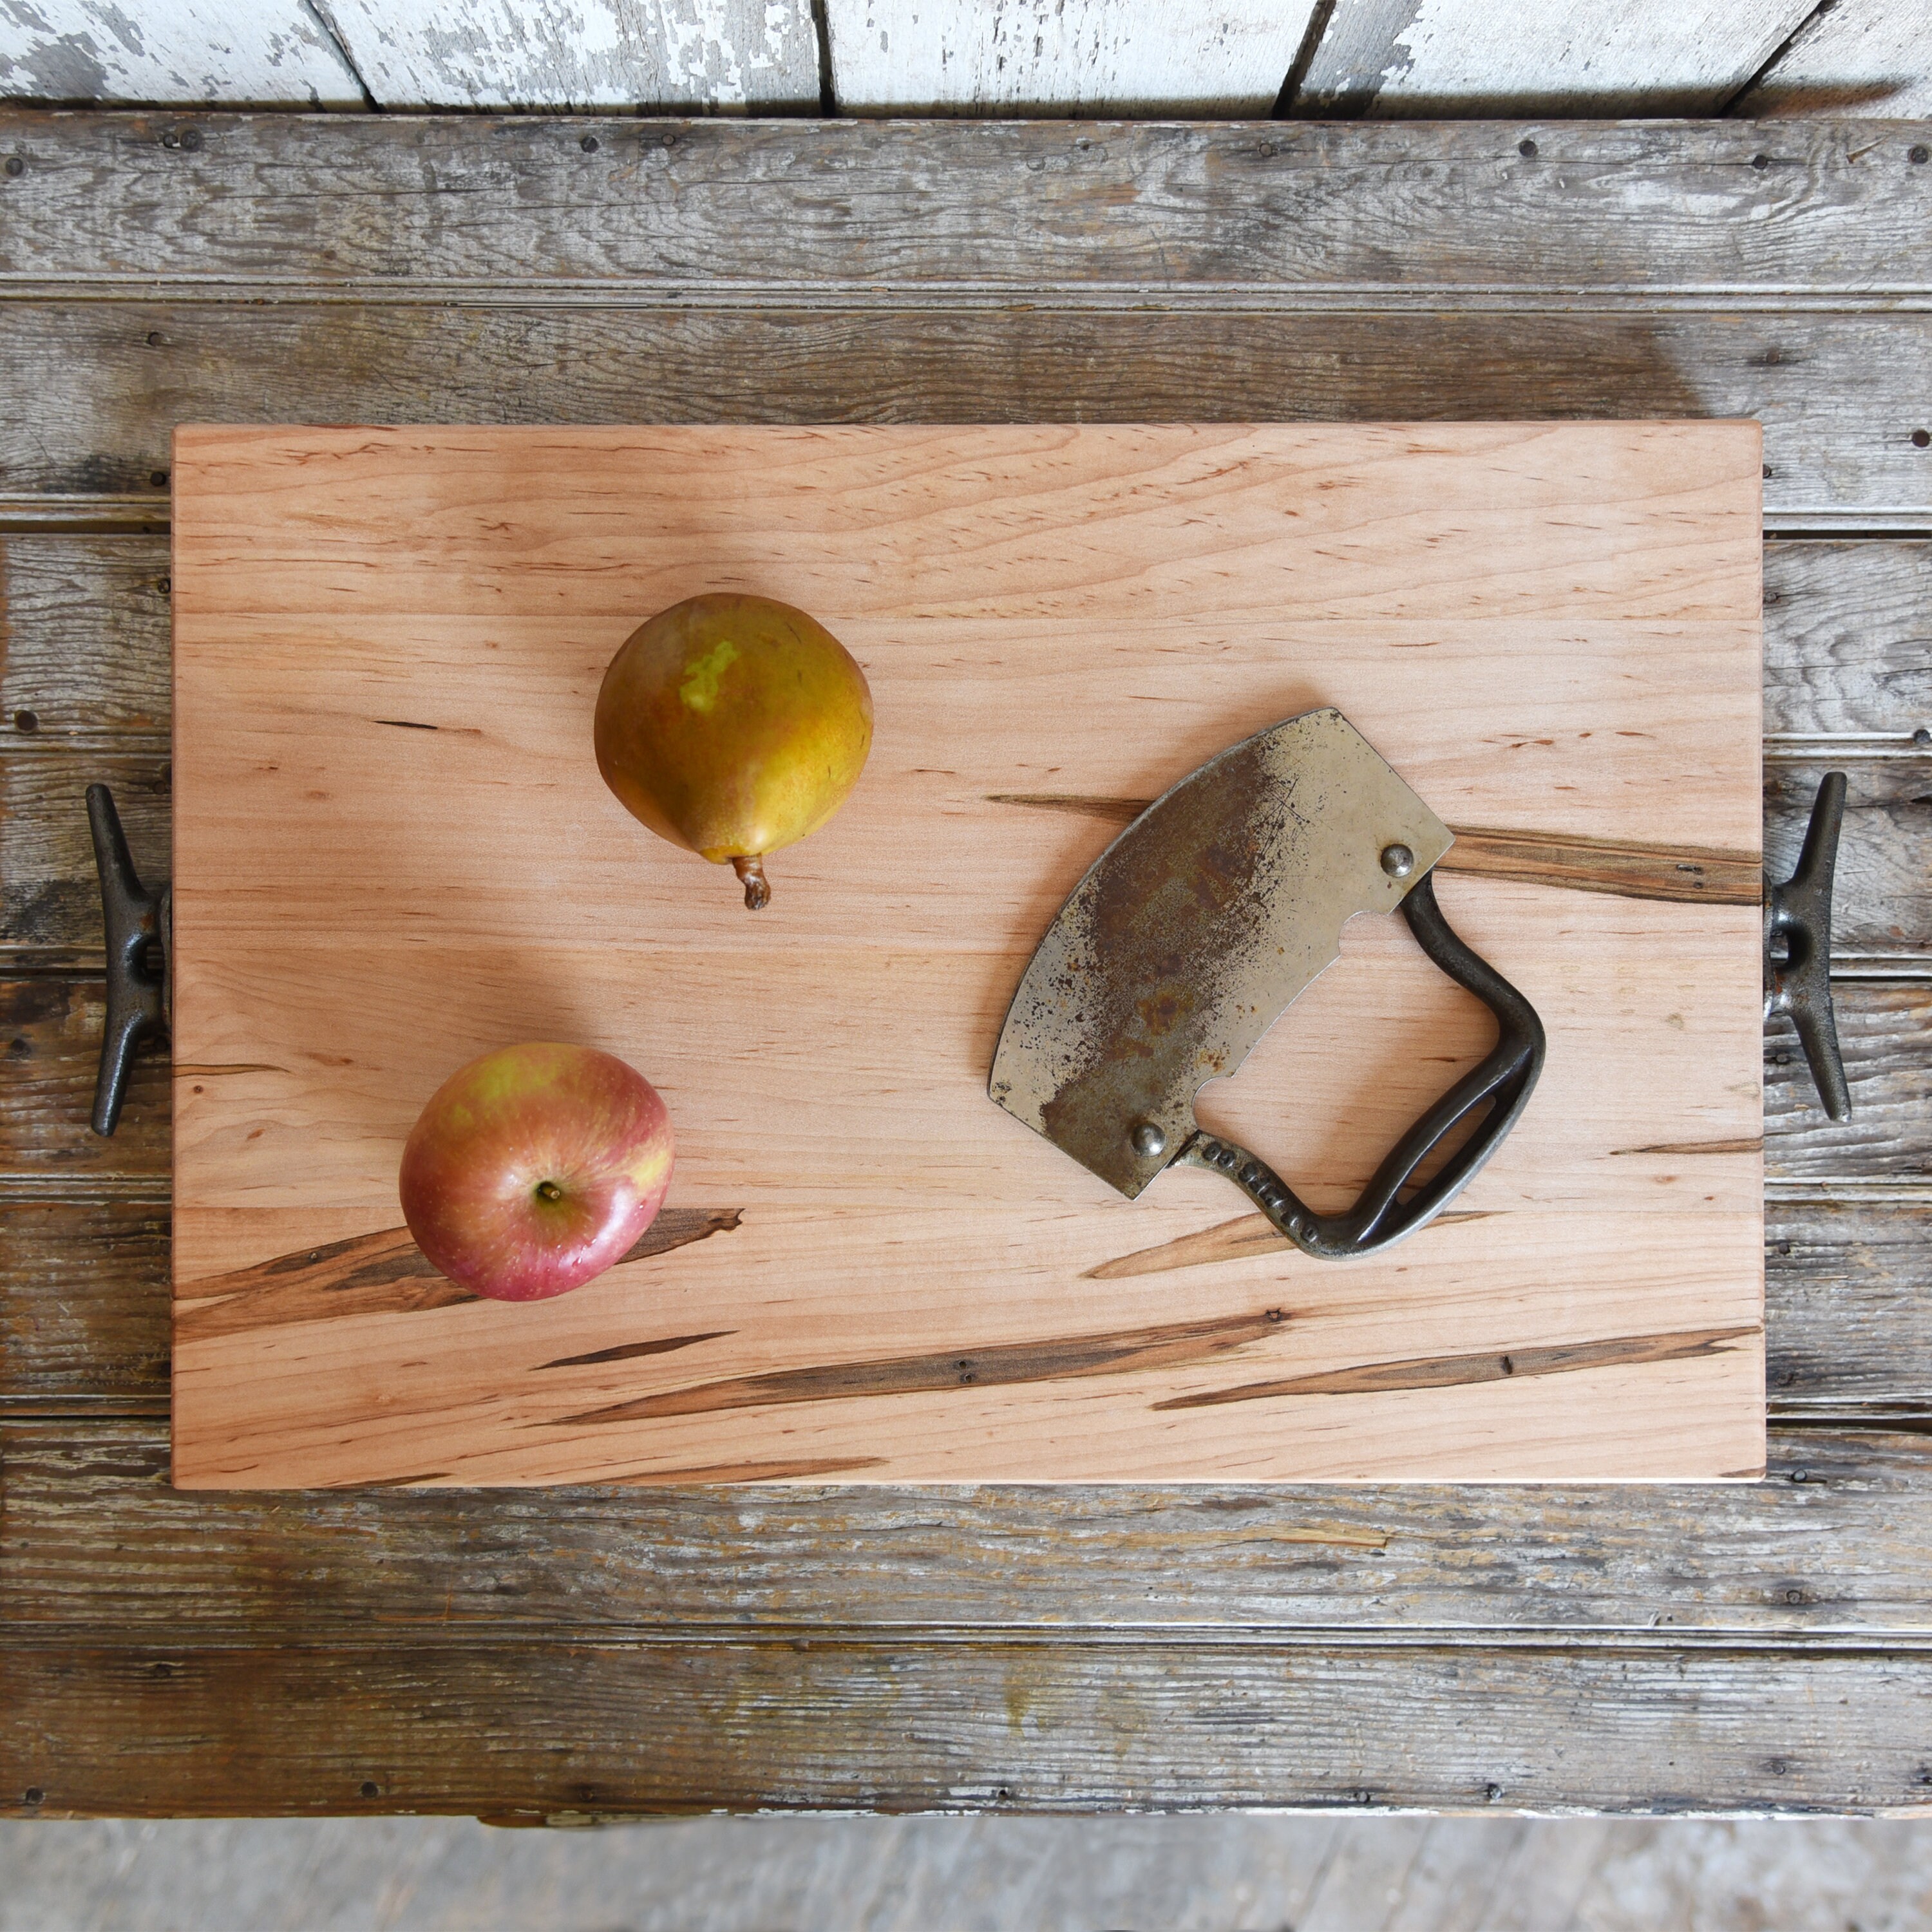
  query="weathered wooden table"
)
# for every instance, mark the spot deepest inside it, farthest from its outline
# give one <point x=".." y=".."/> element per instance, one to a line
<point x="537" y="1655"/>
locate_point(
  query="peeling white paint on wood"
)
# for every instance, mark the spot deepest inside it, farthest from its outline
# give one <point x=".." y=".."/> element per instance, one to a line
<point x="1857" y="57"/>
<point x="240" y="52"/>
<point x="1086" y="57"/>
<point x="1427" y="58"/>
<point x="582" y="53"/>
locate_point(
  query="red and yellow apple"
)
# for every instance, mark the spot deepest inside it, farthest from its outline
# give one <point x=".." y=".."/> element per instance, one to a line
<point x="533" y="1169"/>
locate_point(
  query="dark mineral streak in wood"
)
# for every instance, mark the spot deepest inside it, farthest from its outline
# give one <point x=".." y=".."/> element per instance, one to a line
<point x="1118" y="1354"/>
<point x="1687" y="874"/>
<point x="384" y="1274"/>
<point x="629" y="1352"/>
<point x="1456" y="1371"/>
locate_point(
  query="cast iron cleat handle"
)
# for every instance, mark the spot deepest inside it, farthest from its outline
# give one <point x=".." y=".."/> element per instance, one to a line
<point x="138" y="924"/>
<point x="1798" y="948"/>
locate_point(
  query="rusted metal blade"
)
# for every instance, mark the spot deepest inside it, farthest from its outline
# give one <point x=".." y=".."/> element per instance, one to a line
<point x="1194" y="930"/>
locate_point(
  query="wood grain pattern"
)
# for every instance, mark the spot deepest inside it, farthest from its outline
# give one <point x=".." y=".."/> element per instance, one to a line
<point x="1464" y="1371"/>
<point x="1888" y="911"/>
<point x="1223" y="58"/>
<point x="1882" y="918"/>
<point x="49" y="892"/>
<point x="1835" y="1542"/>
<point x="84" y="1284"/>
<point x="586" y="54"/>
<point x="1848" y="642"/>
<point x="1125" y="1352"/>
<point x="1651" y="221"/>
<point x="56" y="1020"/>
<point x="1839" y="394"/>
<point x="1853" y="57"/>
<point x="386" y="1273"/>
<point x="1034" y="212"/>
<point x="239" y="52"/>
<point x="1433" y="58"/>
<point x="86" y="631"/>
<point x="83" y="1304"/>
<point x="52" y="1024"/>
<point x="1889" y="1136"/>
<point x="1847" y="638"/>
<point x="1052" y="1722"/>
<point x="1687" y="875"/>
<point x="1042" y="1369"/>
<point x="1841" y="1278"/>
<point x="1019" y="598"/>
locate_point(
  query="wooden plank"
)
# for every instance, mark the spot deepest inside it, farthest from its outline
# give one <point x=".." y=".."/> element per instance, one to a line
<point x="84" y="1306"/>
<point x="1838" y="394"/>
<point x="1027" y="211"/>
<point x="45" y="1148"/>
<point x="1847" y="641"/>
<point x="1000" y="655"/>
<point x="1219" y="58"/>
<point x="50" y="895"/>
<point x="1883" y="1031"/>
<point x="1847" y="626"/>
<point x="571" y="1730"/>
<point x="238" y="53"/>
<point x="1845" y="1283"/>
<point x="101" y="1548"/>
<point x="1881" y="911"/>
<point x="575" y="55"/>
<point x="1852" y="57"/>
<point x="85" y="625"/>
<point x="1882" y="918"/>
<point x="53" y="1026"/>
<point x="1430" y="59"/>
<point x="84" y="1302"/>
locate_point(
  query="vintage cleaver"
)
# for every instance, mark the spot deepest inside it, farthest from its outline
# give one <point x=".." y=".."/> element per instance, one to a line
<point x="1191" y="932"/>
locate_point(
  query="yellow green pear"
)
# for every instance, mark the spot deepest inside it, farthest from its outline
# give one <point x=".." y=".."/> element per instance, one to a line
<point x="732" y="726"/>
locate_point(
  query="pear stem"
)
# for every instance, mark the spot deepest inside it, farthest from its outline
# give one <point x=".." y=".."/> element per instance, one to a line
<point x="758" y="887"/>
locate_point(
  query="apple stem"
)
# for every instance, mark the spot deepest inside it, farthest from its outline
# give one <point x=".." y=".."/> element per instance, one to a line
<point x="548" y="1190"/>
<point x="758" y="887"/>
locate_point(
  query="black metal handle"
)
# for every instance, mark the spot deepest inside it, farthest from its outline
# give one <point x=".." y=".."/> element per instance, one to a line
<point x="1502" y="1083"/>
<point x="138" y="940"/>
<point x="1798" y="948"/>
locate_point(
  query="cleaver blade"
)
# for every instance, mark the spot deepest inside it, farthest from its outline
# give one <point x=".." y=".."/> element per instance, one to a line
<point x="1195" y="929"/>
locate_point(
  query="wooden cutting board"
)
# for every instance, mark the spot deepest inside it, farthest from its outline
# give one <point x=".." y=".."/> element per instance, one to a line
<point x="393" y="851"/>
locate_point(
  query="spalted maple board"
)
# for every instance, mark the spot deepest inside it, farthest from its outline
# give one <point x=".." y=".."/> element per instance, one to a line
<point x="393" y="851"/>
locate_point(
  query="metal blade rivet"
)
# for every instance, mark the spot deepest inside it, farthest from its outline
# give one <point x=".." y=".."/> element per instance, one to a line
<point x="1148" y="1139"/>
<point x="1398" y="861"/>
